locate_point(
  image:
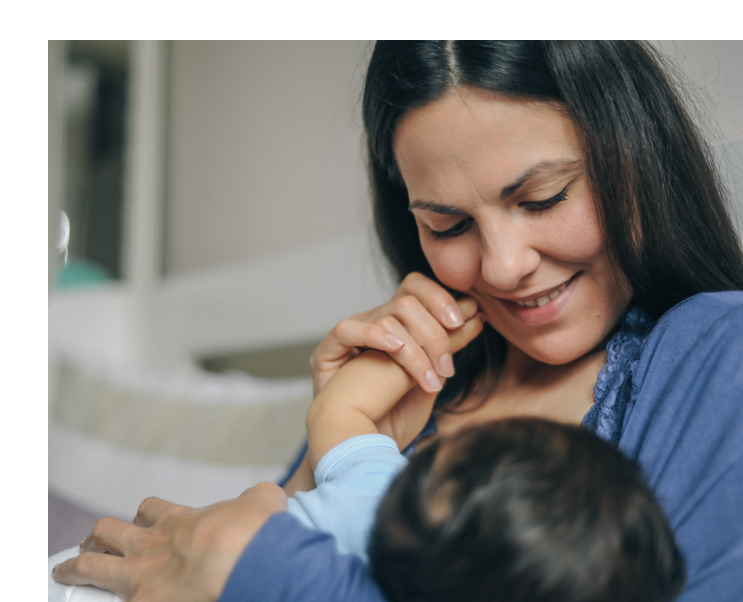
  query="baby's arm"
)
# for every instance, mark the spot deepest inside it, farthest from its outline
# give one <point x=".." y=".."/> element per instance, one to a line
<point x="360" y="396"/>
<point x="361" y="393"/>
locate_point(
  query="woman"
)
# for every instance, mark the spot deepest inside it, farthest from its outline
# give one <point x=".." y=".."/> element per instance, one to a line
<point x="564" y="188"/>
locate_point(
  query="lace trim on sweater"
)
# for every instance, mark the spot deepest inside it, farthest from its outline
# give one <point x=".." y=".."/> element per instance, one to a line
<point x="612" y="390"/>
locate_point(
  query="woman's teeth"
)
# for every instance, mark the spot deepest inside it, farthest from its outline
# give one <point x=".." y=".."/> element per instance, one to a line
<point x="542" y="301"/>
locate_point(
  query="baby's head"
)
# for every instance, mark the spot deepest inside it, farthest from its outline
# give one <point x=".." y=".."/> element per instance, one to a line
<point x="523" y="510"/>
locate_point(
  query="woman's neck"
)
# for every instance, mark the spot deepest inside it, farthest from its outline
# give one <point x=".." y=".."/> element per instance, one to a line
<point x="527" y="387"/>
<point x="520" y="371"/>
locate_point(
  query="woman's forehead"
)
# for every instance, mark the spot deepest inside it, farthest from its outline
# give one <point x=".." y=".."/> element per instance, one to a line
<point x="477" y="138"/>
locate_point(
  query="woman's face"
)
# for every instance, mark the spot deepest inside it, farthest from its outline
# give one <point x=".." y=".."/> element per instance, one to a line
<point x="505" y="214"/>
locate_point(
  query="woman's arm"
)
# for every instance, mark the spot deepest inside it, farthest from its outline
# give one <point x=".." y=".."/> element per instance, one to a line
<point x="288" y="562"/>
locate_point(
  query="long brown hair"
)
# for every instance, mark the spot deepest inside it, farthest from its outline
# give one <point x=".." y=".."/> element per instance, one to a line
<point x="658" y="199"/>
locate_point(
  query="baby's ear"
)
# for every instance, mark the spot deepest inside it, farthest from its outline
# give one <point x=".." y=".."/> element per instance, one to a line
<point x="462" y="336"/>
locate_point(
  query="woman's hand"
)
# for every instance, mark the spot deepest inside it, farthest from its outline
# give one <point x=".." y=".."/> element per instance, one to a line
<point x="409" y="415"/>
<point x="411" y="328"/>
<point x="172" y="552"/>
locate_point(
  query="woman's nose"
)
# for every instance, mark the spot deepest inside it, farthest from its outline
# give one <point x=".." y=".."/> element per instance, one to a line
<point x="508" y="256"/>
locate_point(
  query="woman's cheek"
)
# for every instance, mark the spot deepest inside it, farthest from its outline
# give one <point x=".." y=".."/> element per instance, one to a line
<point x="455" y="265"/>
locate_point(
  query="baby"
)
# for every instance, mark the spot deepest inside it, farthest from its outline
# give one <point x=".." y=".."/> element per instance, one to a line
<point x="519" y="509"/>
<point x="523" y="509"/>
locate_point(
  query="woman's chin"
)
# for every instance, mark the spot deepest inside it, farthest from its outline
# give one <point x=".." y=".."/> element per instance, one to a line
<point x="556" y="353"/>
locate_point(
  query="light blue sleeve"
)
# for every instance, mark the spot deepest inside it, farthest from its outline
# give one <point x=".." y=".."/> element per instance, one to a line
<point x="351" y="480"/>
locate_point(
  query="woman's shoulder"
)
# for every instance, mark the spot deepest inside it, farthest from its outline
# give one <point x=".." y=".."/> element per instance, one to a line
<point x="687" y="384"/>
<point x="696" y="315"/>
<point x="696" y="340"/>
<point x="715" y="318"/>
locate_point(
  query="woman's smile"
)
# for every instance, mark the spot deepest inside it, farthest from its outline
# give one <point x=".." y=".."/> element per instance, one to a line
<point x="505" y="214"/>
<point x="543" y="307"/>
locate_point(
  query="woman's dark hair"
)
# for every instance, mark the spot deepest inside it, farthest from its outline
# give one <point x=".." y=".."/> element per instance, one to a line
<point x="658" y="199"/>
<point x="523" y="510"/>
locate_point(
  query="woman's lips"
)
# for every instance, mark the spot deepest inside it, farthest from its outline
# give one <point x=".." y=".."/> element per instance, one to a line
<point x="544" y="308"/>
<point x="542" y="300"/>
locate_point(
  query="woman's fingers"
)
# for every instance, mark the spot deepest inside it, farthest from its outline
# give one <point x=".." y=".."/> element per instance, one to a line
<point x="355" y="333"/>
<point x="110" y="535"/>
<point x="434" y="298"/>
<point x="412" y="328"/>
<point x="429" y="312"/>
<point x="425" y="353"/>
<point x="430" y="336"/>
<point x="342" y="344"/>
<point x="102" y="570"/>
<point x="153" y="509"/>
<point x="415" y="359"/>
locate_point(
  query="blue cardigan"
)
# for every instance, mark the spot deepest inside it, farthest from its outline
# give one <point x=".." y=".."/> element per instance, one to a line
<point x="673" y="400"/>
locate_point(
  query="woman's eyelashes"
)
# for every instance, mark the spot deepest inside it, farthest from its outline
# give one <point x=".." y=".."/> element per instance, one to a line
<point x="546" y="204"/>
<point x="533" y="206"/>
<point x="456" y="230"/>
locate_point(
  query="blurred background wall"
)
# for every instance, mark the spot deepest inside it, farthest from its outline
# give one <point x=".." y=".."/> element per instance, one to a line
<point x="217" y="218"/>
<point x="264" y="149"/>
<point x="224" y="158"/>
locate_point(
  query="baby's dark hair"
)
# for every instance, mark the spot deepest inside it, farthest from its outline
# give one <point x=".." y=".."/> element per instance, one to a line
<point x="523" y="510"/>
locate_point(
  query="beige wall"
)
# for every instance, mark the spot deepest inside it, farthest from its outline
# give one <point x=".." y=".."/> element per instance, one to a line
<point x="265" y="149"/>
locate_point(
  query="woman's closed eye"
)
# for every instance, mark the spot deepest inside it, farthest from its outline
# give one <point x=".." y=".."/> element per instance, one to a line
<point x="455" y="230"/>
<point x="546" y="204"/>
<point x="533" y="206"/>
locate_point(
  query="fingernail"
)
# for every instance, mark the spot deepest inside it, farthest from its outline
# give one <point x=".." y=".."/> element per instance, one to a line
<point x="433" y="381"/>
<point x="394" y="340"/>
<point x="446" y="365"/>
<point x="453" y="316"/>
<point x="55" y="570"/>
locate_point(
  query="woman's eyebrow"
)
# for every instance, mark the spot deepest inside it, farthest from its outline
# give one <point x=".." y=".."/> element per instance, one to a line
<point x="435" y="208"/>
<point x="537" y="169"/>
